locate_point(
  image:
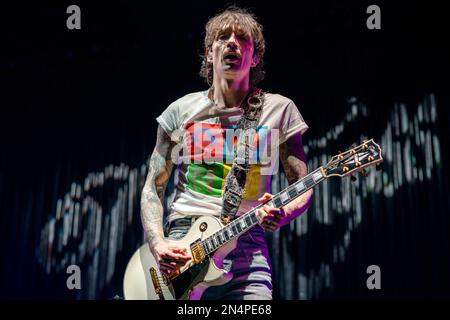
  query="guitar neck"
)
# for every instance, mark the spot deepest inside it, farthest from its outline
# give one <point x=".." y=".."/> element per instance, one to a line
<point x="246" y="221"/>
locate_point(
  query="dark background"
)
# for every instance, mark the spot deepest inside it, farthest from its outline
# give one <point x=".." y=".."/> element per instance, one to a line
<point x="74" y="101"/>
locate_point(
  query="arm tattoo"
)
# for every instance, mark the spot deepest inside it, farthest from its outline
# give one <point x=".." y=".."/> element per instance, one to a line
<point x="159" y="171"/>
<point x="293" y="159"/>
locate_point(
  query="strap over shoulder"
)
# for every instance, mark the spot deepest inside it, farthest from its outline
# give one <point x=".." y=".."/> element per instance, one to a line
<point x="236" y="178"/>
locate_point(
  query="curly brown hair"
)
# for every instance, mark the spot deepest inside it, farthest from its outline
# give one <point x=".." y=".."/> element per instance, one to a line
<point x="235" y="17"/>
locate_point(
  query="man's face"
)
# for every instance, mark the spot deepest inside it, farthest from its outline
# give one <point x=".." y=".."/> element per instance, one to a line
<point x="232" y="53"/>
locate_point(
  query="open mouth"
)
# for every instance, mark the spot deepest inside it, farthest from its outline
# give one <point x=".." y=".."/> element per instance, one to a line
<point x="231" y="57"/>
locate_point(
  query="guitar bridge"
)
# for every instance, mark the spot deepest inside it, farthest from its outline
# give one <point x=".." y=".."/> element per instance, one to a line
<point x="198" y="252"/>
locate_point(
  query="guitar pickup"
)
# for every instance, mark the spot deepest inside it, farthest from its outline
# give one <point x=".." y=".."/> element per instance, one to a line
<point x="198" y="252"/>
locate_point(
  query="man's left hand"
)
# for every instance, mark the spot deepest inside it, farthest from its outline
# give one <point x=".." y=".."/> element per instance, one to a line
<point x="270" y="218"/>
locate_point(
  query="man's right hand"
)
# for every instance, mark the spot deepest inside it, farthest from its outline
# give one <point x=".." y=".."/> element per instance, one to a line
<point x="169" y="257"/>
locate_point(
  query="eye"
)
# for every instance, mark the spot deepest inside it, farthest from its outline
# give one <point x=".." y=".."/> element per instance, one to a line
<point x="222" y="36"/>
<point x="243" y="36"/>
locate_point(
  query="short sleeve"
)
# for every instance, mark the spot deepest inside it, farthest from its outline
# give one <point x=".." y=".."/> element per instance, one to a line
<point x="291" y="122"/>
<point x="169" y="120"/>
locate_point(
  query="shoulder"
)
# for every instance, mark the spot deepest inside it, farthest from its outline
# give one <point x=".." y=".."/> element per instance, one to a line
<point x="175" y="115"/>
<point x="278" y="100"/>
<point x="185" y="104"/>
<point x="277" y="104"/>
<point x="281" y="112"/>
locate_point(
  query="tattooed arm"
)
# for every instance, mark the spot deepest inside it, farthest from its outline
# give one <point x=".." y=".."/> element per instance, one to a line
<point x="293" y="159"/>
<point x="159" y="171"/>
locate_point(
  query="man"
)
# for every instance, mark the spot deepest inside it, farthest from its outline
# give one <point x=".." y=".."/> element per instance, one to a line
<point x="232" y="66"/>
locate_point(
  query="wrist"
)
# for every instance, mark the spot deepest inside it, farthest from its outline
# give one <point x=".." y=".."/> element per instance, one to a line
<point x="155" y="241"/>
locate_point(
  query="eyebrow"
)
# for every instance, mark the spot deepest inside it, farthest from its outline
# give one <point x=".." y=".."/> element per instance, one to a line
<point x="237" y="30"/>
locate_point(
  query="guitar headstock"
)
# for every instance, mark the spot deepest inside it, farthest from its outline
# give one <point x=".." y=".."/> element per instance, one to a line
<point x="353" y="160"/>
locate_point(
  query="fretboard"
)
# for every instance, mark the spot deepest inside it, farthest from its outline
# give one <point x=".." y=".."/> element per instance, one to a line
<point x="246" y="221"/>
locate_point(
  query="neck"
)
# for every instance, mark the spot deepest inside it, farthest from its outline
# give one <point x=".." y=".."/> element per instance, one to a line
<point x="247" y="220"/>
<point x="230" y="93"/>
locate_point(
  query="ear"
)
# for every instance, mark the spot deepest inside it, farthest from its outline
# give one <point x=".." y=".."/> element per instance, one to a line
<point x="255" y="60"/>
<point x="208" y="55"/>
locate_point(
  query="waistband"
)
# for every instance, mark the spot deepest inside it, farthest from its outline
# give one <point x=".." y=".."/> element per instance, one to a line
<point x="186" y="222"/>
<point x="180" y="223"/>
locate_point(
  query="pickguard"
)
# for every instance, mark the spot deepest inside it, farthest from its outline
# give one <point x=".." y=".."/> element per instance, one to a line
<point x="188" y="279"/>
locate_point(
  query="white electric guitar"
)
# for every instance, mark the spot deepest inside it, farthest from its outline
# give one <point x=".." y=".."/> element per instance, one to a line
<point x="209" y="241"/>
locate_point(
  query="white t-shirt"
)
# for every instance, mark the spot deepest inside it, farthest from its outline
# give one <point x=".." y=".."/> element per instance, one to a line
<point x="205" y="133"/>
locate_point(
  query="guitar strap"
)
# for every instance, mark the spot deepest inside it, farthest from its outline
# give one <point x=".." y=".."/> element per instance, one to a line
<point x="236" y="178"/>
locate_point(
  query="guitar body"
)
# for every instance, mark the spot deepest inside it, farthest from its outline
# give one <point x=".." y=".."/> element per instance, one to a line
<point x="142" y="275"/>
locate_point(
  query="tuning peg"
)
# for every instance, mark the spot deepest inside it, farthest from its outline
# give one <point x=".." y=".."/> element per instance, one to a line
<point x="378" y="167"/>
<point x="352" y="178"/>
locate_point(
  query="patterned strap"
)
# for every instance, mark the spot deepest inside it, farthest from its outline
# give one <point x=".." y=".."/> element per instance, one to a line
<point x="236" y="178"/>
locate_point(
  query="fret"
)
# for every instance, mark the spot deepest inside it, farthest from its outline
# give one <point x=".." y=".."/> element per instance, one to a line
<point x="205" y="249"/>
<point x="277" y="202"/>
<point x="238" y="226"/>
<point x="317" y="176"/>
<point x="211" y="244"/>
<point x="284" y="197"/>
<point x="300" y="186"/>
<point x="219" y="238"/>
<point x="253" y="218"/>
<point x="243" y="224"/>
<point x="225" y="233"/>
<point x="309" y="182"/>
<point x="233" y="227"/>
<point x="213" y="241"/>
<point x="230" y="232"/>
<point x="292" y="193"/>
<point x="248" y="221"/>
<point x="208" y="249"/>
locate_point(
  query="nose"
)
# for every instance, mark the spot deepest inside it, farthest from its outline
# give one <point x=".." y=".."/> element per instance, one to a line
<point x="232" y="41"/>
